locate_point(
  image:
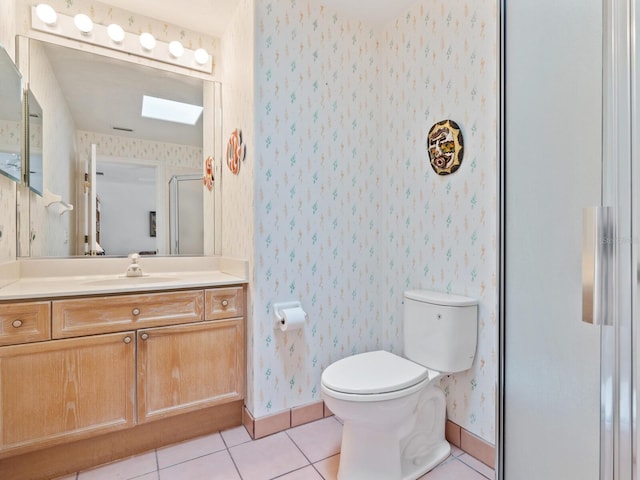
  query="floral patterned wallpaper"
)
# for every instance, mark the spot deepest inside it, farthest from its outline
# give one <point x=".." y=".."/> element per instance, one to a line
<point x="318" y="238"/>
<point x="348" y="213"/>
<point x="439" y="61"/>
<point x="170" y="154"/>
<point x="237" y="191"/>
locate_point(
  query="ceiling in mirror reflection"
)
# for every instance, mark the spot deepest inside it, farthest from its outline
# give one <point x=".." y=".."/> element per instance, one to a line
<point x="105" y="96"/>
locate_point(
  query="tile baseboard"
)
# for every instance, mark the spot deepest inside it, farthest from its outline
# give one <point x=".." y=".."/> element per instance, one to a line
<point x="475" y="446"/>
<point x="278" y="422"/>
<point x="455" y="434"/>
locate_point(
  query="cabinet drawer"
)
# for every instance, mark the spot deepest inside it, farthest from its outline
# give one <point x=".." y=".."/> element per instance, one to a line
<point x="89" y="316"/>
<point x="25" y="322"/>
<point x="224" y="303"/>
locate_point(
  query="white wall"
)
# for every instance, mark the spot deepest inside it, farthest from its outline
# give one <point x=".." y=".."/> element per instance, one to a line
<point x="124" y="216"/>
<point x="52" y="234"/>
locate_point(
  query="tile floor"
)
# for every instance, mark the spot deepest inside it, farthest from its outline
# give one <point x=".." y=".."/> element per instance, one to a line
<point x="307" y="452"/>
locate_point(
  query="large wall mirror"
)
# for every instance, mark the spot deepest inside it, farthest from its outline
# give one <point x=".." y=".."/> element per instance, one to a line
<point x="11" y="131"/>
<point x="99" y="144"/>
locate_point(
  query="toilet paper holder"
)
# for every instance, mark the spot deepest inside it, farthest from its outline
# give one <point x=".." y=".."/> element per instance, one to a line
<point x="277" y="311"/>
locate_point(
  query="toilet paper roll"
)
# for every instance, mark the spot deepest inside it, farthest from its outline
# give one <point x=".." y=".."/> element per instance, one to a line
<point x="292" y="319"/>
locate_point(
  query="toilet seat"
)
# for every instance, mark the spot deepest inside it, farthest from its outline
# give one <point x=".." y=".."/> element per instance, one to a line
<point x="374" y="376"/>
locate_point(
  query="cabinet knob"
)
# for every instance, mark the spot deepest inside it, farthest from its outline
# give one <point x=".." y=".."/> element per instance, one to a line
<point x="136" y="312"/>
<point x="144" y="336"/>
<point x="127" y="340"/>
<point x="225" y="303"/>
<point x="17" y="323"/>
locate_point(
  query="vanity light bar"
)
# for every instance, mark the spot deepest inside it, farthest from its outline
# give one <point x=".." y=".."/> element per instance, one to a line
<point x="64" y="26"/>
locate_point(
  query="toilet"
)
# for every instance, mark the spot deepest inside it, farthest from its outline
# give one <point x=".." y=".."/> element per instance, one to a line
<point x="393" y="408"/>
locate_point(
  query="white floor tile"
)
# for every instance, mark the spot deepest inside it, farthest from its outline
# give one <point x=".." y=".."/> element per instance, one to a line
<point x="328" y="468"/>
<point x="306" y="473"/>
<point x="452" y="469"/>
<point x="189" y="450"/>
<point x="214" y="466"/>
<point x="123" y="469"/>
<point x="235" y="436"/>
<point x="318" y="440"/>
<point x="268" y="457"/>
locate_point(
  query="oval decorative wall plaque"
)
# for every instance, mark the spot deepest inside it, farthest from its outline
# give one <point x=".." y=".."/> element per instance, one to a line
<point x="446" y="147"/>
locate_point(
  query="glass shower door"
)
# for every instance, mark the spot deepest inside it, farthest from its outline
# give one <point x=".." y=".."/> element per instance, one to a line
<point x="567" y="397"/>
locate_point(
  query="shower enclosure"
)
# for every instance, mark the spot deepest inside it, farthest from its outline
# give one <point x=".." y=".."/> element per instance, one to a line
<point x="186" y="236"/>
<point x="568" y="387"/>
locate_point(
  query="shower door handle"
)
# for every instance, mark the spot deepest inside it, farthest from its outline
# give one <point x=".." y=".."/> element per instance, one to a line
<point x="597" y="265"/>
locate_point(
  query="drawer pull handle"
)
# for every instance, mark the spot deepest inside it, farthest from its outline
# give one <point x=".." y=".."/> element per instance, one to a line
<point x="127" y="340"/>
<point x="17" y="323"/>
<point x="136" y="312"/>
<point x="144" y="336"/>
<point x="225" y="303"/>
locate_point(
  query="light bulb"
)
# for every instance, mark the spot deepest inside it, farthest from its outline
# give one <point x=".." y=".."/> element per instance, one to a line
<point x="176" y="49"/>
<point x="46" y="14"/>
<point x="83" y="23"/>
<point x="115" y="32"/>
<point x="147" y="41"/>
<point x="201" y="56"/>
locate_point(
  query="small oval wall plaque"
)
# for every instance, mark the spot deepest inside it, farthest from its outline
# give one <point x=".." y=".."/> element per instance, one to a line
<point x="446" y="147"/>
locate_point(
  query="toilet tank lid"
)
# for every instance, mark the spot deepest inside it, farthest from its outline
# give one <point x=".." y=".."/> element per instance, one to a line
<point x="440" y="298"/>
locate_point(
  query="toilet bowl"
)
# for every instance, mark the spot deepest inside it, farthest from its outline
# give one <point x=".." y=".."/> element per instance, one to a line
<point x="394" y="428"/>
<point x="393" y="409"/>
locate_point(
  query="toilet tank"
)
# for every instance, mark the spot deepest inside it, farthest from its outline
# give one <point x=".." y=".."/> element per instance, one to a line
<point x="440" y="330"/>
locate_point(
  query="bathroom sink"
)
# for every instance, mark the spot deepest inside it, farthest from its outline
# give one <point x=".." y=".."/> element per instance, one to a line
<point x="124" y="281"/>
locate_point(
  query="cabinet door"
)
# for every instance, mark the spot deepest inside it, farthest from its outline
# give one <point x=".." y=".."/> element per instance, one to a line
<point x="56" y="391"/>
<point x="188" y="367"/>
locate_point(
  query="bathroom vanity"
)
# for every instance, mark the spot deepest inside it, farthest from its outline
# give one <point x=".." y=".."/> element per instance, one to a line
<point x="98" y="367"/>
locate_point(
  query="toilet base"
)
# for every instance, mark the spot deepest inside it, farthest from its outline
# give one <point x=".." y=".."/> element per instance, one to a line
<point x="399" y="448"/>
<point x="435" y="457"/>
<point x="385" y="466"/>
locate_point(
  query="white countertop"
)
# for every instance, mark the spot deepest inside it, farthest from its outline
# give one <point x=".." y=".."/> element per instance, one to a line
<point x="73" y="277"/>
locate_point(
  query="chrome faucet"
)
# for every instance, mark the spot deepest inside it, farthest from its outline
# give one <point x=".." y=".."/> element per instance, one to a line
<point x="134" y="269"/>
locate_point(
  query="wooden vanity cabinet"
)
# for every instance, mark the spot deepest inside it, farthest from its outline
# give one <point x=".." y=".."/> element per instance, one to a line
<point x="131" y="361"/>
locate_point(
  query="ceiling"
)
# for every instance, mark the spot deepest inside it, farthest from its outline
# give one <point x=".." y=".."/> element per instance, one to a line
<point x="212" y="16"/>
